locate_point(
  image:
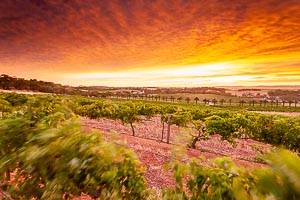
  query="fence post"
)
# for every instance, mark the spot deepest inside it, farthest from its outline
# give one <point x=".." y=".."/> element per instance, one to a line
<point x="169" y="127"/>
<point x="162" y="132"/>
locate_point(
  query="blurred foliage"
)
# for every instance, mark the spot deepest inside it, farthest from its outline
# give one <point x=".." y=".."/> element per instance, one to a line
<point x="222" y="179"/>
<point x="53" y="159"/>
<point x="42" y="143"/>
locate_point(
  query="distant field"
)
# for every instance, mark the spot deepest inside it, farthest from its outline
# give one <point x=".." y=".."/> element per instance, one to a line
<point x="21" y="92"/>
<point x="233" y="105"/>
<point x="252" y="92"/>
<point x="207" y="96"/>
<point x="288" y="114"/>
<point x="278" y="87"/>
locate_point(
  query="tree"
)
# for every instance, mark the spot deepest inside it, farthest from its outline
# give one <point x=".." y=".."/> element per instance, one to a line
<point x="222" y="101"/>
<point x="250" y="103"/>
<point x="172" y="99"/>
<point x="242" y="102"/>
<point x="179" y="99"/>
<point x="214" y="101"/>
<point x="188" y="100"/>
<point x="5" y="81"/>
<point x="196" y="99"/>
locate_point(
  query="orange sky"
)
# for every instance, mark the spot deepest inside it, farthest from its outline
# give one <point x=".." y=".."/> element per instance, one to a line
<point x="152" y="42"/>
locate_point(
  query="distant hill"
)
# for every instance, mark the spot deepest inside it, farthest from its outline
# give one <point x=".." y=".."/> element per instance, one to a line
<point x="33" y="85"/>
<point x="13" y="83"/>
<point x="262" y="87"/>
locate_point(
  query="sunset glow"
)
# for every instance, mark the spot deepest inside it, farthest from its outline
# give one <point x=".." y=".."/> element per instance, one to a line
<point x="152" y="43"/>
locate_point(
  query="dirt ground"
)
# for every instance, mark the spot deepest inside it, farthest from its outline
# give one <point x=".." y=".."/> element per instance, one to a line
<point x="288" y="114"/>
<point x="154" y="153"/>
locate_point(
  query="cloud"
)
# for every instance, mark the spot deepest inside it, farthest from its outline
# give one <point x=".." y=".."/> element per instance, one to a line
<point x="116" y="35"/>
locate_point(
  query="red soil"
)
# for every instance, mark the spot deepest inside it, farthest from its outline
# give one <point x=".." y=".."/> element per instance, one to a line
<point x="154" y="154"/>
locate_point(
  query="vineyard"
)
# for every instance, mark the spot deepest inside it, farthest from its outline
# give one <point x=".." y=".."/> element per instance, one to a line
<point x="216" y="101"/>
<point x="49" y="151"/>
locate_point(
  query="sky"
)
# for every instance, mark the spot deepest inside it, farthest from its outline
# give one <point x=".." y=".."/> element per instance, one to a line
<point x="182" y="43"/>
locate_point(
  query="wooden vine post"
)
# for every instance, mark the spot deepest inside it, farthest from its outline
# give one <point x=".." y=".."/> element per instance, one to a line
<point x="169" y="127"/>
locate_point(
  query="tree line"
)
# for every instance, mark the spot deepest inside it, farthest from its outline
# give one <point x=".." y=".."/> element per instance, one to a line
<point x="13" y="83"/>
<point x="9" y="83"/>
<point x="209" y="102"/>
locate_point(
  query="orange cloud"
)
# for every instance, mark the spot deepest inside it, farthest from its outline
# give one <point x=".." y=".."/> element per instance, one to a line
<point x="45" y="37"/>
